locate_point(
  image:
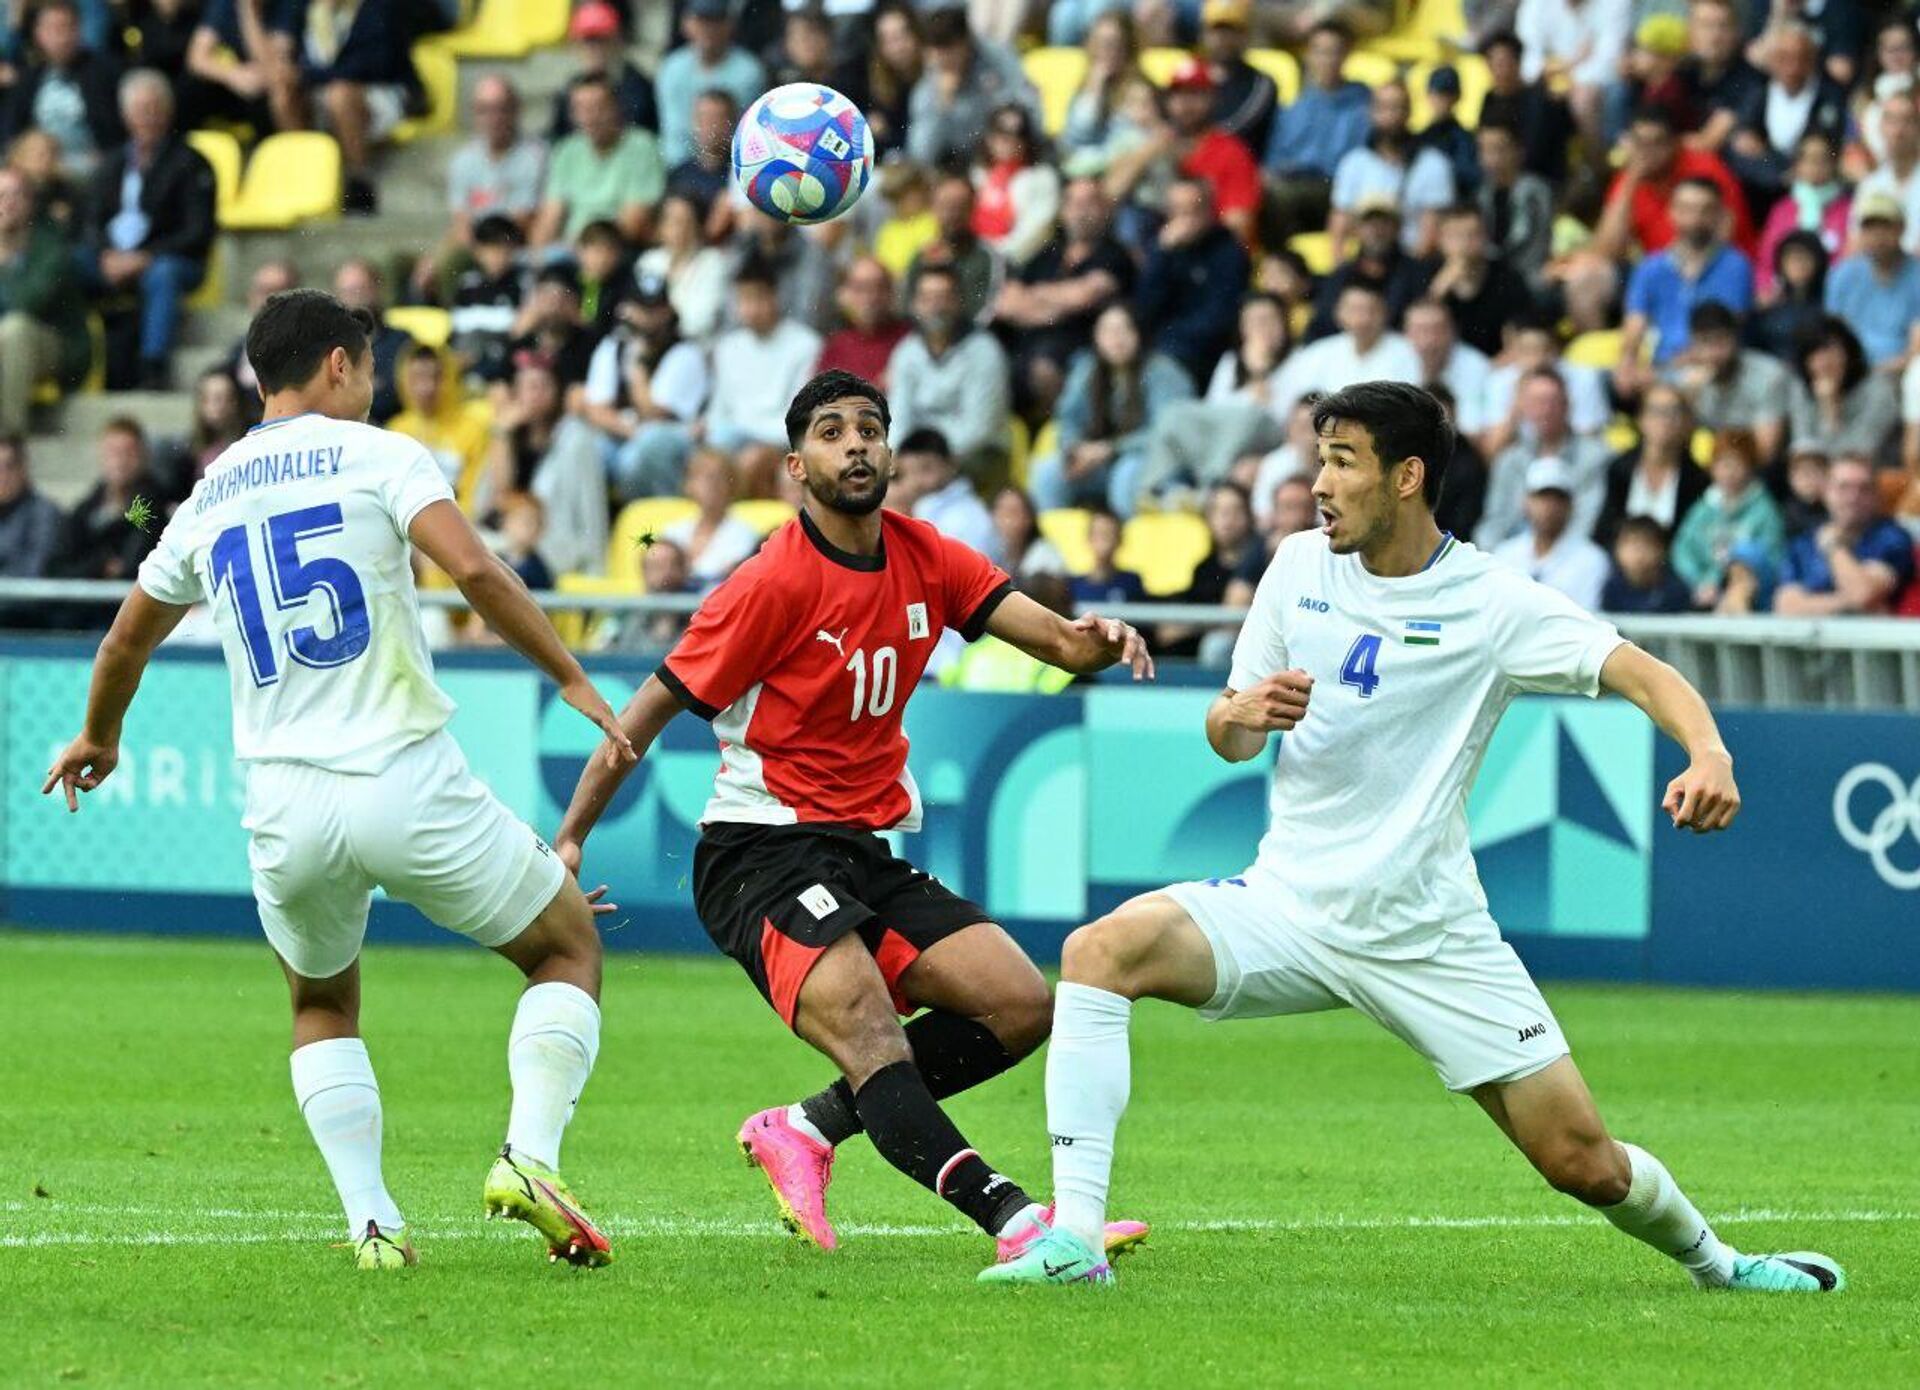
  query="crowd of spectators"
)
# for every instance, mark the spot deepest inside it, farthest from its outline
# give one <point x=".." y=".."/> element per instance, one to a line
<point x="1663" y="269"/>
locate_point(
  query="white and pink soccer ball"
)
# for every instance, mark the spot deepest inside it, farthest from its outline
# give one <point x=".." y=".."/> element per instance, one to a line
<point x="803" y="153"/>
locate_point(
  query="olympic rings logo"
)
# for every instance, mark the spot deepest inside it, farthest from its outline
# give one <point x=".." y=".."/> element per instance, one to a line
<point x="1899" y="817"/>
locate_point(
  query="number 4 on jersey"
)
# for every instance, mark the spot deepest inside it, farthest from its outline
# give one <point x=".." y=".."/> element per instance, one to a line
<point x="1357" y="670"/>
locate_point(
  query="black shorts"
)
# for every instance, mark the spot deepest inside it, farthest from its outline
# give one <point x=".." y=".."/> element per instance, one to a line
<point x="775" y="896"/>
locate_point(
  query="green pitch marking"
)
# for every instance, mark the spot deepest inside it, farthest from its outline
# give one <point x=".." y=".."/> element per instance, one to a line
<point x="1326" y="1214"/>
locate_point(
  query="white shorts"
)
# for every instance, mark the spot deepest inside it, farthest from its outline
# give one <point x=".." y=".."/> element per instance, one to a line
<point x="1470" y="1008"/>
<point x="426" y="830"/>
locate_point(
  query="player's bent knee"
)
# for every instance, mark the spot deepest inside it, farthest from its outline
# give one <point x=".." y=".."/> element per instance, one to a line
<point x="1590" y="1171"/>
<point x="1023" y="1020"/>
<point x="1113" y="952"/>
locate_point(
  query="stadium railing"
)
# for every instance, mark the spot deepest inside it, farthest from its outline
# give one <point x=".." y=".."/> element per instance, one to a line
<point x="1758" y="661"/>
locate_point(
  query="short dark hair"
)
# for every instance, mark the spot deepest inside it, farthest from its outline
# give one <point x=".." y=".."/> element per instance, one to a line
<point x="1338" y="28"/>
<point x="128" y="425"/>
<point x="497" y="229"/>
<point x="296" y="330"/>
<point x="1502" y="38"/>
<point x="1655" y="115"/>
<point x="601" y="230"/>
<point x="831" y="386"/>
<point x="1404" y="420"/>
<point x="1645" y="527"/>
<point x="423" y="352"/>
<point x="755" y="271"/>
<point x="946" y="27"/>
<point x="926" y="440"/>
<point x="1704" y="184"/>
<point x="1711" y="316"/>
<point x="941" y="271"/>
<point x="14" y="444"/>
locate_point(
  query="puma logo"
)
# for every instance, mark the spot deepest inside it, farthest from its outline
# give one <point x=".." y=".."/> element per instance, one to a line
<point x="835" y="642"/>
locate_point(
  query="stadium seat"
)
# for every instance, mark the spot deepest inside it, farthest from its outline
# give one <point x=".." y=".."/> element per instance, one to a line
<point x="575" y="625"/>
<point x="1163" y="548"/>
<point x="1701" y="447"/>
<point x="1474" y="82"/>
<point x="422" y="323"/>
<point x="440" y="80"/>
<point x="1067" y="528"/>
<point x="1159" y="63"/>
<point x="644" y="517"/>
<point x="764" y="514"/>
<point x="222" y="151"/>
<point x="510" y="29"/>
<point x="1370" y="69"/>
<point x="1315" y="248"/>
<point x="293" y="177"/>
<point x="1431" y="29"/>
<point x="1600" y="349"/>
<point x="1621" y="434"/>
<point x="1281" y="66"/>
<point x="1056" y="73"/>
<point x="1019" y="450"/>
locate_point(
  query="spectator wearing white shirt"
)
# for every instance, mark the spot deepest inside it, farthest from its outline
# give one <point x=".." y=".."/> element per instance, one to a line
<point x="1550" y="550"/>
<point x="950" y="374"/>
<point x="1533" y="342"/>
<point x="695" y="274"/>
<point x="645" y="388"/>
<point x="1195" y="443"/>
<point x="940" y="493"/>
<point x="1363" y="350"/>
<point x="1446" y="361"/>
<point x="497" y="173"/>
<point x="757" y="370"/>
<point x="1544" y="432"/>
<point x="1898" y="173"/>
<point x="1581" y="41"/>
<point x="713" y="541"/>
<point x="1417" y="177"/>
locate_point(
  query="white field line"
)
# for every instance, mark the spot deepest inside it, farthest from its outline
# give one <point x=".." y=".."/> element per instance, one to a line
<point x="324" y="1225"/>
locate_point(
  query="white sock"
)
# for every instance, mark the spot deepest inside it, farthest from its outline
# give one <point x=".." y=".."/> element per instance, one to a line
<point x="797" y="1117"/>
<point x="1656" y="1211"/>
<point x="550" y="1053"/>
<point x="333" y="1083"/>
<point x="1087" y="1081"/>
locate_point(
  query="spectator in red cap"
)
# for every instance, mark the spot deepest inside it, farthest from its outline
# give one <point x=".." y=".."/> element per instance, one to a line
<point x="1198" y="149"/>
<point x="601" y="50"/>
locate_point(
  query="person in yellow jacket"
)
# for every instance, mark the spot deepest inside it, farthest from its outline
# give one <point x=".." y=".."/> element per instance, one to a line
<point x="453" y="428"/>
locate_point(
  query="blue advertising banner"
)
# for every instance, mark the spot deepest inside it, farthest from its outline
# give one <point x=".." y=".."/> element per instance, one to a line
<point x="1051" y="809"/>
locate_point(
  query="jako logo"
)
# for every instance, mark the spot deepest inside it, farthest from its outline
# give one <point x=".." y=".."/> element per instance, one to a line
<point x="1533" y="1030"/>
<point x="1318" y="605"/>
<point x="1063" y="1141"/>
<point x="1894" y="821"/>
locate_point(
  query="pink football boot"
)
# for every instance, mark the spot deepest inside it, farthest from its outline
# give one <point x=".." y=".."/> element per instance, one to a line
<point x="798" y="1169"/>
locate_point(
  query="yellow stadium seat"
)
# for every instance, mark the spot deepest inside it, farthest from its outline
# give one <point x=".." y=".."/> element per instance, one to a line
<point x="1474" y="83"/>
<point x="1600" y="348"/>
<point x="1370" y="69"/>
<point x="1046" y="440"/>
<point x="1159" y="63"/>
<point x="221" y="151"/>
<point x="1315" y="248"/>
<point x="293" y="177"/>
<point x="1621" y="434"/>
<point x="440" y="80"/>
<point x="422" y="323"/>
<point x="1431" y="28"/>
<point x="1163" y="548"/>
<point x="575" y="625"/>
<point x="1281" y="66"/>
<point x="648" y="516"/>
<point x="1067" y="527"/>
<point x="764" y="514"/>
<point x="1056" y="73"/>
<point x="510" y="28"/>
<point x="213" y="283"/>
<point x="1019" y="450"/>
<point x="1701" y="447"/>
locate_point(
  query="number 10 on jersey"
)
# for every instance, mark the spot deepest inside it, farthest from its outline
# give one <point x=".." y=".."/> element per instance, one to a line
<point x="886" y="671"/>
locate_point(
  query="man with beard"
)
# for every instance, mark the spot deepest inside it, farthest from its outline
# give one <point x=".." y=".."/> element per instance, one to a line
<point x="803" y="661"/>
<point x="1697" y="267"/>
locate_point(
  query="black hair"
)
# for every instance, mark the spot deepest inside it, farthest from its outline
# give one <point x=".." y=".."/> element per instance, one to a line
<point x="1645" y="527"/>
<point x="1798" y="240"/>
<point x="601" y="229"/>
<point x="926" y="440"/>
<point x="1338" y="28"/>
<point x="1830" y="331"/>
<point x="1702" y="182"/>
<point x="296" y="330"/>
<point x="497" y="229"/>
<point x="755" y="271"/>
<point x="1502" y="38"/>
<point x="831" y="386"/>
<point x="1404" y="420"/>
<point x="422" y="352"/>
<point x="945" y="27"/>
<point x="1711" y="316"/>
<point x="1655" y="115"/>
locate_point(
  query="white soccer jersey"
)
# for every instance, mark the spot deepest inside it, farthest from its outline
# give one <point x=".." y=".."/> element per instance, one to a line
<point x="1367" y="844"/>
<point x="297" y="539"/>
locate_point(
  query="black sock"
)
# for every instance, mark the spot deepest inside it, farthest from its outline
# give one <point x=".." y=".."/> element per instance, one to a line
<point x="912" y="1133"/>
<point x="954" y="1054"/>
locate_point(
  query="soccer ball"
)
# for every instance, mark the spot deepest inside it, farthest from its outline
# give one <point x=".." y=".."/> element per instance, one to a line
<point x="803" y="153"/>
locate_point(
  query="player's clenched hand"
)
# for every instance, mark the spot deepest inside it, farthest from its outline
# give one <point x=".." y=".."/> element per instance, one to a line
<point x="590" y="702"/>
<point x="1119" y="641"/>
<point x="82" y="767"/>
<point x="1703" y="798"/>
<point x="1278" y="702"/>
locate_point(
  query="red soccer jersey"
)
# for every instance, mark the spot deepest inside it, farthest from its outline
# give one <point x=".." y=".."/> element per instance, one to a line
<point x="803" y="661"/>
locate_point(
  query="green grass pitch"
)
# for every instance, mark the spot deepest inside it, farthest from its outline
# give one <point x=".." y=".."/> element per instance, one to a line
<point x="1325" y="1213"/>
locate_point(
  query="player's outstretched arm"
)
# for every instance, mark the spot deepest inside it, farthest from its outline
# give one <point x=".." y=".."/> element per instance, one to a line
<point x="647" y="713"/>
<point x="1238" y="721"/>
<point x="1082" y="645"/>
<point x="496" y="593"/>
<point x="1703" y="798"/>
<point x="142" y="624"/>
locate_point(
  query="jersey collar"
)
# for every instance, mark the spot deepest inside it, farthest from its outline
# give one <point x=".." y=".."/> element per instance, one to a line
<point x="1439" y="551"/>
<point x="844" y="558"/>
